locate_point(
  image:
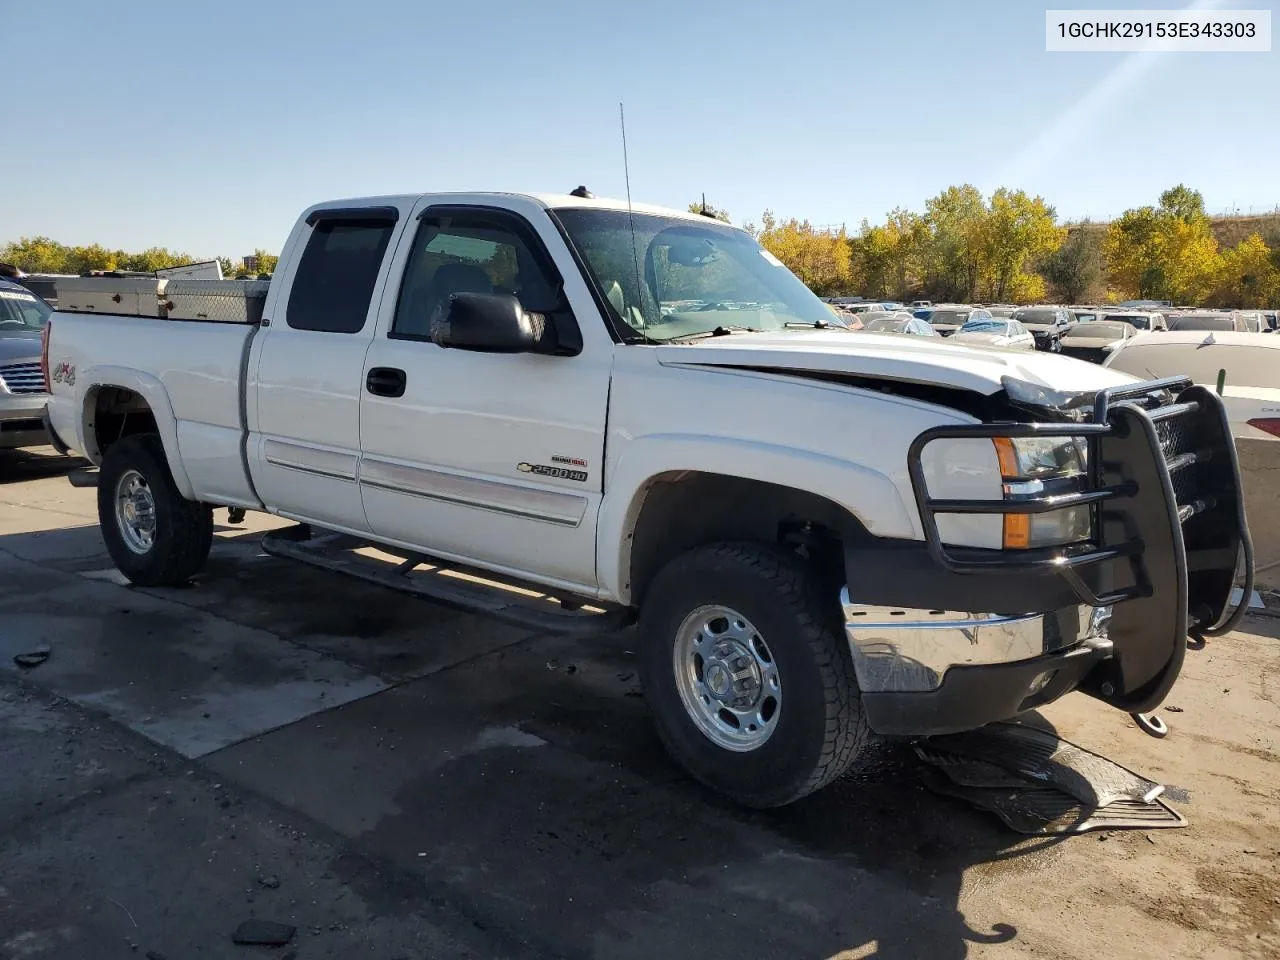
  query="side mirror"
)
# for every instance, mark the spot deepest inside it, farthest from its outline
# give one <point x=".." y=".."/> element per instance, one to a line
<point x="488" y="323"/>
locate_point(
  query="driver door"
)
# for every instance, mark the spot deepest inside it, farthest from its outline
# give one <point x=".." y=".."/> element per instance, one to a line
<point x="489" y="458"/>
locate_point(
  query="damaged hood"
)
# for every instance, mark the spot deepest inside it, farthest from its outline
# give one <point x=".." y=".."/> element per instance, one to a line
<point x="889" y="357"/>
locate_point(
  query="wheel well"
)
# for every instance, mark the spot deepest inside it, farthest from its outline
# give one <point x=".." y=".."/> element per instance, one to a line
<point x="687" y="509"/>
<point x="116" y="413"/>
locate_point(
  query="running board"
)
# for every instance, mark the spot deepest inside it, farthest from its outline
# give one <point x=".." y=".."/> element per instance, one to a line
<point x="521" y="603"/>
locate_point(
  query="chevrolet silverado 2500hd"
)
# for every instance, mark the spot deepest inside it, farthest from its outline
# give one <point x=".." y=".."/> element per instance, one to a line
<point x="823" y="533"/>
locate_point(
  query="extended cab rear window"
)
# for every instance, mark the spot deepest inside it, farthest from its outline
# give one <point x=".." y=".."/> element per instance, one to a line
<point x="336" y="275"/>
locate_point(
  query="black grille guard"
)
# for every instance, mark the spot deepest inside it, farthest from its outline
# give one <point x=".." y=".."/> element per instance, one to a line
<point x="1169" y="530"/>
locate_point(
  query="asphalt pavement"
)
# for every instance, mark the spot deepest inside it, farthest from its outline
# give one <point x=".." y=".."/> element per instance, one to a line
<point x="392" y="778"/>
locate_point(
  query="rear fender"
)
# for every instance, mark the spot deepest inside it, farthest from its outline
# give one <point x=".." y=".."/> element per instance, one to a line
<point x="153" y="392"/>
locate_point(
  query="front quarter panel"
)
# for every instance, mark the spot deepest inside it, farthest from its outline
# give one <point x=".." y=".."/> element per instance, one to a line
<point x="845" y="444"/>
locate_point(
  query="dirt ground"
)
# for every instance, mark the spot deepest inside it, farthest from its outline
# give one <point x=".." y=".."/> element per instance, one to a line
<point x="397" y="779"/>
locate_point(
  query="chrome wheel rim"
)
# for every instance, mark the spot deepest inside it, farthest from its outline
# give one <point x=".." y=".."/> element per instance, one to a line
<point x="727" y="678"/>
<point x="135" y="512"/>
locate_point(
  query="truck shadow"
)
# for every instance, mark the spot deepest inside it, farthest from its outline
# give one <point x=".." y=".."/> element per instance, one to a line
<point x="39" y="463"/>
<point x="528" y="784"/>
<point x="555" y="796"/>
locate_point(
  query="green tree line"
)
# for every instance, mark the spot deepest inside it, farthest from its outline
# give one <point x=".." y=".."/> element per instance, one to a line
<point x="43" y="255"/>
<point x="1011" y="247"/>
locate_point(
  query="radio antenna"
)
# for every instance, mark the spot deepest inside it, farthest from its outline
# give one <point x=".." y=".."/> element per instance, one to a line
<point x="631" y="217"/>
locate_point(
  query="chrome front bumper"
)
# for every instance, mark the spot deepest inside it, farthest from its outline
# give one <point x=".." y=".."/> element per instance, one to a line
<point x="903" y="650"/>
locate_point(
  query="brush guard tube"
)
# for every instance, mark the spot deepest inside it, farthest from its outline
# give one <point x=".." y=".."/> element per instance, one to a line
<point x="1163" y="487"/>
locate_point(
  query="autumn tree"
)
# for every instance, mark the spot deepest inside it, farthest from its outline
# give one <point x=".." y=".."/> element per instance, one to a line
<point x="263" y="262"/>
<point x="1017" y="232"/>
<point x="821" y="259"/>
<point x="1249" y="275"/>
<point x="955" y="220"/>
<point x="872" y="254"/>
<point x="36" y="255"/>
<point x="1167" y="252"/>
<point x="702" y="207"/>
<point x="152" y="259"/>
<point x="43" y="255"/>
<point x="1075" y="269"/>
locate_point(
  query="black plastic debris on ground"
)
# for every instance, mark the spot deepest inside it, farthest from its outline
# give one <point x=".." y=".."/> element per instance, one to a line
<point x="33" y="657"/>
<point x="263" y="933"/>
<point x="1038" y="783"/>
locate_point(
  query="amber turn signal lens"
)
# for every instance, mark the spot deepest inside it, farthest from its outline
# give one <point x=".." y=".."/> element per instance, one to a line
<point x="1017" y="531"/>
<point x="1007" y="456"/>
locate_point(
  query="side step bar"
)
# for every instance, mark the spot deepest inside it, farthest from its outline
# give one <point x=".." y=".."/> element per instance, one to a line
<point x="523" y="604"/>
<point x="83" y="477"/>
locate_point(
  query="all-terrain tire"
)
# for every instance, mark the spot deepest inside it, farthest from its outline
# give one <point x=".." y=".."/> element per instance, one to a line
<point x="183" y="529"/>
<point x="821" y="729"/>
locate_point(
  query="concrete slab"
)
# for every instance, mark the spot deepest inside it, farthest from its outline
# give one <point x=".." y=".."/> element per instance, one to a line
<point x="54" y="757"/>
<point x="189" y="680"/>
<point x="534" y="785"/>
<point x="171" y="865"/>
<point x="529" y="780"/>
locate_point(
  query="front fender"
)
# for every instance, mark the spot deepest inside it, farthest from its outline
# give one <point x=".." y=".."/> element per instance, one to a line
<point x="871" y="497"/>
<point x="150" y="389"/>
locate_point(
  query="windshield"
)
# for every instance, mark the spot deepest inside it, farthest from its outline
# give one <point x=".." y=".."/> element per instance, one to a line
<point x="984" y="326"/>
<point x="21" y="313"/>
<point x="1085" y="317"/>
<point x="683" y="278"/>
<point x="1098" y="329"/>
<point x="1202" y="322"/>
<point x="1002" y="311"/>
<point x="949" y="316"/>
<point x="1036" y="318"/>
<point x="1141" y="323"/>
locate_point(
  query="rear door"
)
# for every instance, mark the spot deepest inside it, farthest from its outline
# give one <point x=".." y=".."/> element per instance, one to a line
<point x="305" y="376"/>
<point x="493" y="459"/>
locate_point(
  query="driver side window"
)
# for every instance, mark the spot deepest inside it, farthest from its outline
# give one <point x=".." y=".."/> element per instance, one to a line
<point x="471" y="252"/>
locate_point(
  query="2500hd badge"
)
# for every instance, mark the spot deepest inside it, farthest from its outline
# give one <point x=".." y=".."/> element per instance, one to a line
<point x="556" y="473"/>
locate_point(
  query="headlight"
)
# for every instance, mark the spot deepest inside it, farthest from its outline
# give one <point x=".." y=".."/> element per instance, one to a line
<point x="1041" y="458"/>
<point x="1040" y="468"/>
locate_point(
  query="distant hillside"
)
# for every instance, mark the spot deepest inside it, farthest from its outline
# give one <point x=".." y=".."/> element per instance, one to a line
<point x="1231" y="230"/>
<point x="1228" y="230"/>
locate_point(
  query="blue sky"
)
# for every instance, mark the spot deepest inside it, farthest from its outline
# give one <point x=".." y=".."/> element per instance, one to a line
<point x="207" y="127"/>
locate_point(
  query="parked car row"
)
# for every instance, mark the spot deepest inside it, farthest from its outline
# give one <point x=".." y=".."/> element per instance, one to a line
<point x="1083" y="331"/>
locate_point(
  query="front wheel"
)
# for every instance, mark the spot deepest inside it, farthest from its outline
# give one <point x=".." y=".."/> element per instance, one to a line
<point x="154" y="535"/>
<point x="747" y="674"/>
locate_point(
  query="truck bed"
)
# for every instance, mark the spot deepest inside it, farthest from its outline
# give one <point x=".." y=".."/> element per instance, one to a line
<point x="200" y="366"/>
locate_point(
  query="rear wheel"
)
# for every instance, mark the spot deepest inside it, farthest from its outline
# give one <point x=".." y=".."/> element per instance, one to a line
<point x="154" y="535"/>
<point x="748" y="675"/>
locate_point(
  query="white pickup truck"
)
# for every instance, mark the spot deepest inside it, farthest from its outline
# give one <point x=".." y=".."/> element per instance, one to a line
<point x="611" y="412"/>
